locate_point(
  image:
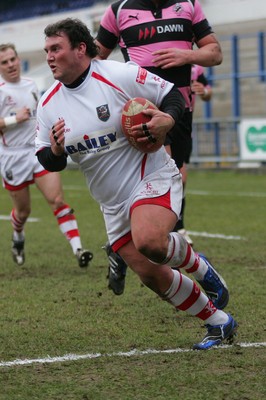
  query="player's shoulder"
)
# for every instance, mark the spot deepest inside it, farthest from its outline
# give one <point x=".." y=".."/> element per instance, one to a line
<point x="117" y="74"/>
<point x="125" y="4"/>
<point x="50" y="93"/>
<point x="26" y="81"/>
<point x="112" y="67"/>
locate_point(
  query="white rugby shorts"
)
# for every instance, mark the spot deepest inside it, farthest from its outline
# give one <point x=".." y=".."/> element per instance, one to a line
<point x="19" y="167"/>
<point x="163" y="187"/>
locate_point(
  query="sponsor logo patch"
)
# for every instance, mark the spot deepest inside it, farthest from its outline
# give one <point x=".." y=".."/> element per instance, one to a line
<point x="142" y="75"/>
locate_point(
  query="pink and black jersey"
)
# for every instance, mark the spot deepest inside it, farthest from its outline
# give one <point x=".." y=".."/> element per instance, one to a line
<point x="140" y="28"/>
<point x="197" y="74"/>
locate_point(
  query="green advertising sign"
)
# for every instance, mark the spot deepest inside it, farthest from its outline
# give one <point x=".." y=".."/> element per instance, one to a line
<point x="256" y="138"/>
<point x="252" y="139"/>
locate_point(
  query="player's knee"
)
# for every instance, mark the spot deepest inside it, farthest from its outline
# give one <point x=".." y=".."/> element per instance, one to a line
<point x="152" y="248"/>
<point x="57" y="202"/>
<point x="22" y="215"/>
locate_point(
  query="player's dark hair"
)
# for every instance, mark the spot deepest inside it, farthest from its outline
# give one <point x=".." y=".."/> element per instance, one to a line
<point x="76" y="32"/>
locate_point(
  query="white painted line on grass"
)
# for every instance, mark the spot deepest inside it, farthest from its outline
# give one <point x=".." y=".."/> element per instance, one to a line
<point x="238" y="194"/>
<point x="134" y="352"/>
<point x="215" y="235"/>
<point x="7" y="218"/>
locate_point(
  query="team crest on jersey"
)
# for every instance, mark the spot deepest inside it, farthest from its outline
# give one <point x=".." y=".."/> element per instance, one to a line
<point x="178" y="8"/>
<point x="10" y="101"/>
<point x="103" y="112"/>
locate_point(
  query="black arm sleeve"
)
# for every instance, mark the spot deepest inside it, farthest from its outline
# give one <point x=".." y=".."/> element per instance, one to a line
<point x="50" y="161"/>
<point x="174" y="104"/>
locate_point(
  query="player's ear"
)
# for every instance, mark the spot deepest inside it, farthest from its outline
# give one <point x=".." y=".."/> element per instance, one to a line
<point x="82" y="48"/>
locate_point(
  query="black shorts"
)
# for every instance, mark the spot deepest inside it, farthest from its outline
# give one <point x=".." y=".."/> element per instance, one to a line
<point x="180" y="140"/>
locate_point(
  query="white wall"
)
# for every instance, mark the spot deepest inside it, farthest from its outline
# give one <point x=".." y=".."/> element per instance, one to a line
<point x="28" y="34"/>
<point x="229" y="11"/>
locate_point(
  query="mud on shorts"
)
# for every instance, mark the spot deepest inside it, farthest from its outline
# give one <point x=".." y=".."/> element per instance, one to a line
<point x="163" y="187"/>
<point x="180" y="140"/>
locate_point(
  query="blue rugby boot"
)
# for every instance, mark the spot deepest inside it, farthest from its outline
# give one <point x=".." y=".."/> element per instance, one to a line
<point x="216" y="334"/>
<point x="214" y="286"/>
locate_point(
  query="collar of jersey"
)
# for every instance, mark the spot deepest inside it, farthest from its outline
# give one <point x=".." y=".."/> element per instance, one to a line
<point x="79" y="80"/>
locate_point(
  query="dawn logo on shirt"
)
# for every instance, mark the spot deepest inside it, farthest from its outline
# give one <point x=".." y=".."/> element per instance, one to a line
<point x="149" y="33"/>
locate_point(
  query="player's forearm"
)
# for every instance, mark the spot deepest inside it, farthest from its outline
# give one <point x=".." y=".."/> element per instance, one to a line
<point x="207" y="56"/>
<point x="50" y="161"/>
<point x="174" y="104"/>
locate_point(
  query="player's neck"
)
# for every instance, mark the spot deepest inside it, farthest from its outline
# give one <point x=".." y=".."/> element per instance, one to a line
<point x="12" y="81"/>
<point x="79" y="80"/>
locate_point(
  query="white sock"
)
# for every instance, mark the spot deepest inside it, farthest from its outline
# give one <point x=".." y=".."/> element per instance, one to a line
<point x="181" y="255"/>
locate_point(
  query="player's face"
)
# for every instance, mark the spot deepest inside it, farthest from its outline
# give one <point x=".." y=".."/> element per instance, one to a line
<point x="9" y="65"/>
<point x="63" y="61"/>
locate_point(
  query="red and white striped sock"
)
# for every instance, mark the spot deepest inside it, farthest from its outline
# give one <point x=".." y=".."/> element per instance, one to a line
<point x="181" y="255"/>
<point x="68" y="225"/>
<point x="185" y="295"/>
<point x="18" y="226"/>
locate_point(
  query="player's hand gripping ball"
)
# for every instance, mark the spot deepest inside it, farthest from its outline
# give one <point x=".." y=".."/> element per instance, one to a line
<point x="132" y="115"/>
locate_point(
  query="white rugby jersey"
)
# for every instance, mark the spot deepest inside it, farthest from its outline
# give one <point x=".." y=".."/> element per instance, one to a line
<point x="14" y="96"/>
<point x="93" y="135"/>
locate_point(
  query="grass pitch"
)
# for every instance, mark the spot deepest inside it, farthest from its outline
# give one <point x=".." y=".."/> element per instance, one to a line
<point x="50" y="307"/>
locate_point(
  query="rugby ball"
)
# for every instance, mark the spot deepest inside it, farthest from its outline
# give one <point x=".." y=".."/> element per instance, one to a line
<point x="132" y="115"/>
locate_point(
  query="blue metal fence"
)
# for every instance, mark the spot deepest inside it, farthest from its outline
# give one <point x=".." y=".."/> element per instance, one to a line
<point x="216" y="139"/>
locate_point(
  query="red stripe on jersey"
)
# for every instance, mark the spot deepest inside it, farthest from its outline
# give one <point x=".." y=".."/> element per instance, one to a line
<point x="52" y="93"/>
<point x="102" y="79"/>
<point x="192" y="298"/>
